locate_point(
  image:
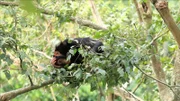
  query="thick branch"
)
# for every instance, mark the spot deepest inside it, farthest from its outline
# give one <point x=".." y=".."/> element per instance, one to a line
<point x="177" y="74"/>
<point x="87" y="23"/>
<point x="138" y="11"/>
<point x="162" y="8"/>
<point x="48" y="12"/>
<point x="95" y="13"/>
<point x="176" y="68"/>
<point x="12" y="94"/>
<point x="125" y="94"/>
<point x="9" y="3"/>
<point x="165" y="92"/>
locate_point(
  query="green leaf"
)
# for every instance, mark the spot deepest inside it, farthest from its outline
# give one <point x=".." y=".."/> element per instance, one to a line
<point x="28" y="6"/>
<point x="71" y="66"/>
<point x="120" y="71"/>
<point x="93" y="86"/>
<point x="22" y="55"/>
<point x="24" y="46"/>
<point x="101" y="71"/>
<point x="7" y="73"/>
<point x="73" y="51"/>
<point x="68" y="57"/>
<point x="2" y="56"/>
<point x="88" y="75"/>
<point x="78" y="73"/>
<point x="8" y="59"/>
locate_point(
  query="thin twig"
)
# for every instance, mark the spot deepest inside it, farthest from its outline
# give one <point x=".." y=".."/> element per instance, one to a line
<point x="157" y="37"/>
<point x="42" y="53"/>
<point x="121" y="91"/>
<point x="142" y="80"/>
<point x="53" y="95"/>
<point x="21" y="66"/>
<point x="169" y="86"/>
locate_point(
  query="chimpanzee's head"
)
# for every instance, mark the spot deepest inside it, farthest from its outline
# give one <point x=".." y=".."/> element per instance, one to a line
<point x="59" y="56"/>
<point x="61" y="52"/>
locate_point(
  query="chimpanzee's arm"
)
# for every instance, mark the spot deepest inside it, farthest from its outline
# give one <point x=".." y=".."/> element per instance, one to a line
<point x="94" y="44"/>
<point x="97" y="47"/>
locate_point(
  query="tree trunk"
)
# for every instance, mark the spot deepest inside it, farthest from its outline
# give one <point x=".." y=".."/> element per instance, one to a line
<point x="95" y="13"/>
<point x="162" y="8"/>
<point x="177" y="75"/>
<point x="164" y="91"/>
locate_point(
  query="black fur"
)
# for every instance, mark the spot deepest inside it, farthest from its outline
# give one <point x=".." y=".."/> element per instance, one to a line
<point x="66" y="45"/>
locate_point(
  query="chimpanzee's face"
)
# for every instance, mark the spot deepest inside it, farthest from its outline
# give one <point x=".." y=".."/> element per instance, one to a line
<point x="58" y="60"/>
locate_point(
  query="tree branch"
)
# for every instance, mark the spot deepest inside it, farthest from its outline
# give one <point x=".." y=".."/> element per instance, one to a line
<point x="9" y="3"/>
<point x="87" y="23"/>
<point x="138" y="11"/>
<point x="157" y="37"/>
<point x="95" y="13"/>
<point x="162" y="7"/>
<point x="12" y="94"/>
<point x="42" y="53"/>
<point x="21" y="66"/>
<point x="120" y="91"/>
<point x="159" y="81"/>
<point x="164" y="91"/>
<point x="48" y="12"/>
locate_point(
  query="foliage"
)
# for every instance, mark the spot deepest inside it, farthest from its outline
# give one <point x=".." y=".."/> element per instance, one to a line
<point x="26" y="33"/>
<point x="111" y="67"/>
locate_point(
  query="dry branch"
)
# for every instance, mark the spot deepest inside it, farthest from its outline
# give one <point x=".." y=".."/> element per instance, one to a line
<point x="120" y="91"/>
<point x="138" y="11"/>
<point x="95" y="13"/>
<point x="48" y="12"/>
<point x="8" y="3"/>
<point x="87" y="23"/>
<point x="12" y="94"/>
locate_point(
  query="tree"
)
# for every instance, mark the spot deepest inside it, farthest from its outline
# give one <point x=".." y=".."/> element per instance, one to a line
<point x="166" y="92"/>
<point x="27" y="34"/>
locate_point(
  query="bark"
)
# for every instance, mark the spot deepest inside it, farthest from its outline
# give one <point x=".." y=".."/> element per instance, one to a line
<point x="48" y="12"/>
<point x="177" y="75"/>
<point x="109" y="97"/>
<point x="95" y="13"/>
<point x="164" y="91"/>
<point x="12" y="94"/>
<point x="53" y="95"/>
<point x="125" y="94"/>
<point x="87" y="23"/>
<point x="176" y="68"/>
<point x="162" y="8"/>
<point x="9" y="3"/>
<point x="138" y="11"/>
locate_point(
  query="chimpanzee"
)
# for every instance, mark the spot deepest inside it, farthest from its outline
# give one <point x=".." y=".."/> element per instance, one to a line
<point x="61" y="52"/>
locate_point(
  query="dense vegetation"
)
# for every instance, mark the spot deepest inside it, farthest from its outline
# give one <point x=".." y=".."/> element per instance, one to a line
<point x="29" y="30"/>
